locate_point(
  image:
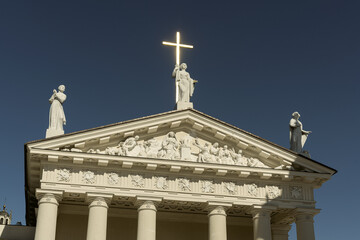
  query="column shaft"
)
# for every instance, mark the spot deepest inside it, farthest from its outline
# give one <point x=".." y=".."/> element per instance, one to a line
<point x="146" y="221"/>
<point x="217" y="224"/>
<point x="46" y="218"/>
<point x="262" y="225"/>
<point x="280" y="231"/>
<point x="97" y="221"/>
<point x="305" y="226"/>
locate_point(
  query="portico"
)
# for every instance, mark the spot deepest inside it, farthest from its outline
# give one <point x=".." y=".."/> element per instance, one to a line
<point x="181" y="173"/>
<point x="147" y="209"/>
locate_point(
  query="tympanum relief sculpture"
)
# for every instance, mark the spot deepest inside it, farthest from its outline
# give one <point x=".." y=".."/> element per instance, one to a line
<point x="187" y="148"/>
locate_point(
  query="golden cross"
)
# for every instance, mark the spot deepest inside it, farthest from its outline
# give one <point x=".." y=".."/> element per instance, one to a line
<point x="178" y="45"/>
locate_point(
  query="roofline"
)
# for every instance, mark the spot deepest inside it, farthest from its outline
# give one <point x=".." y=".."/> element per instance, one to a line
<point x="177" y="111"/>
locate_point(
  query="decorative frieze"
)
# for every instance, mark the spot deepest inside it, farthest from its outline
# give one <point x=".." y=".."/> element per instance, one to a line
<point x="296" y="192"/>
<point x="88" y="177"/>
<point x="137" y="181"/>
<point x="161" y="183"/>
<point x="273" y="191"/>
<point x="217" y="186"/>
<point x="207" y="186"/>
<point x="63" y="175"/>
<point x="252" y="190"/>
<point x="229" y="188"/>
<point x="113" y="178"/>
<point x="184" y="184"/>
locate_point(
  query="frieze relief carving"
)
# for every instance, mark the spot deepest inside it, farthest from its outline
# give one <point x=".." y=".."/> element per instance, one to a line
<point x="63" y="175"/>
<point x="137" y="181"/>
<point x="88" y="177"/>
<point x="252" y="189"/>
<point x="296" y="192"/>
<point x="184" y="184"/>
<point x="230" y="188"/>
<point x="161" y="183"/>
<point x="207" y="186"/>
<point x="273" y="191"/>
<point x="113" y="178"/>
<point x="187" y="148"/>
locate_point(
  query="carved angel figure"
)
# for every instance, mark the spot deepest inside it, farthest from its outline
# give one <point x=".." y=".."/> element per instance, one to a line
<point x="170" y="147"/>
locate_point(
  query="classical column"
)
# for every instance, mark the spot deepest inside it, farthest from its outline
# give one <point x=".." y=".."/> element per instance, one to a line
<point x="280" y="231"/>
<point x="97" y="222"/>
<point x="217" y="223"/>
<point x="146" y="220"/>
<point x="262" y="222"/>
<point x="304" y="219"/>
<point x="47" y="214"/>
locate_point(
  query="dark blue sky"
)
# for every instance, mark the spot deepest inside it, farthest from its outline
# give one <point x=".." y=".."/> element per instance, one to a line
<point x="256" y="63"/>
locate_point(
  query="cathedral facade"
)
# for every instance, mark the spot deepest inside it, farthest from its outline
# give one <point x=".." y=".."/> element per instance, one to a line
<point x="176" y="175"/>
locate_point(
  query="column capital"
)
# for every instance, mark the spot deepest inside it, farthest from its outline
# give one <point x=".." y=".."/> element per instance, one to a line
<point x="309" y="211"/>
<point x="147" y="202"/>
<point x="263" y="210"/>
<point x="217" y="208"/>
<point x="48" y="196"/>
<point x="305" y="214"/>
<point x="99" y="200"/>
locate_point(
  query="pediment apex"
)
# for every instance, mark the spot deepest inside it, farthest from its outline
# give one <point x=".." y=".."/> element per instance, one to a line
<point x="196" y="125"/>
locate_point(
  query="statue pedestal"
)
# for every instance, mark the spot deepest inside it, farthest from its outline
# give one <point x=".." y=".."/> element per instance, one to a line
<point x="184" y="105"/>
<point x="50" y="132"/>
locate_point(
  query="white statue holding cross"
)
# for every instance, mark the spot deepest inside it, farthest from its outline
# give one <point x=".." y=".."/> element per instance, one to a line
<point x="184" y="83"/>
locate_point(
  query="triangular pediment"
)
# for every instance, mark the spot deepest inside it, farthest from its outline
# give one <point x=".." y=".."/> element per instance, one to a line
<point x="186" y="135"/>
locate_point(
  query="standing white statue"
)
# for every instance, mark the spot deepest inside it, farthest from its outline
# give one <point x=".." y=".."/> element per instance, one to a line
<point x="56" y="116"/>
<point x="186" y="86"/>
<point x="298" y="136"/>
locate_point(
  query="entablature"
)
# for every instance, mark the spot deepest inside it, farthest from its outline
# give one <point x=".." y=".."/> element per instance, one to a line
<point x="178" y="167"/>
